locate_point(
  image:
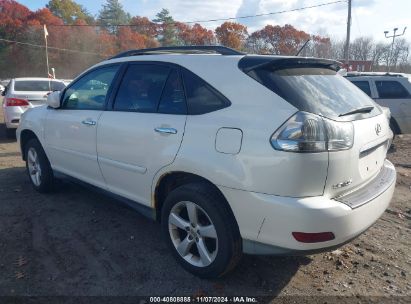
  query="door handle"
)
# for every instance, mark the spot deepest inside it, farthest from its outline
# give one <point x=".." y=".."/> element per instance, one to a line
<point x="166" y="130"/>
<point x="88" y="122"/>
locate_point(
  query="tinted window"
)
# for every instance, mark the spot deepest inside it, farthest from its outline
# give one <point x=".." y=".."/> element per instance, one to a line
<point x="173" y="100"/>
<point x="38" y="85"/>
<point x="201" y="97"/>
<point x="363" y="86"/>
<point x="391" y="89"/>
<point x="141" y="88"/>
<point x="89" y="92"/>
<point x="316" y="90"/>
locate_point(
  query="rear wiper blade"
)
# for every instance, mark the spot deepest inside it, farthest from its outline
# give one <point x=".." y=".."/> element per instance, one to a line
<point x="359" y="110"/>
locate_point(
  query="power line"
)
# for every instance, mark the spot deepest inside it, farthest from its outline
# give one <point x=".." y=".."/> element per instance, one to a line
<point x="269" y="14"/>
<point x="219" y="19"/>
<point x="51" y="47"/>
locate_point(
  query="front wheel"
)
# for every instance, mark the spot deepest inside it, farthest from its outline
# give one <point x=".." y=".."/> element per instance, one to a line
<point x="201" y="231"/>
<point x="38" y="167"/>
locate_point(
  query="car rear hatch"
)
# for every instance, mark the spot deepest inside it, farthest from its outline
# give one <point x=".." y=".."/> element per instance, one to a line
<point x="35" y="91"/>
<point x="357" y="154"/>
<point x="350" y="169"/>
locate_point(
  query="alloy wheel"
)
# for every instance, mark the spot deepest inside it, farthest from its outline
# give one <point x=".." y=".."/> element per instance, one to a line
<point x="193" y="234"/>
<point x="34" y="166"/>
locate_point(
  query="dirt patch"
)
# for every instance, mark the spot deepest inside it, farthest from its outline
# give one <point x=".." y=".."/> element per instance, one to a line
<point x="76" y="242"/>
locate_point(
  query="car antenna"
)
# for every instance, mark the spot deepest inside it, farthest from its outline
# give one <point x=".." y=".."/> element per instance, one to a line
<point x="299" y="51"/>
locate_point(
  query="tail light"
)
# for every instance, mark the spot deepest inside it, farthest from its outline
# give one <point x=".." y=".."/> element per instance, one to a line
<point x="16" y="102"/>
<point x="306" y="132"/>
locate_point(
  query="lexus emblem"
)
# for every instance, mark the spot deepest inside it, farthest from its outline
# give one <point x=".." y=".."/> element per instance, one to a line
<point x="377" y="129"/>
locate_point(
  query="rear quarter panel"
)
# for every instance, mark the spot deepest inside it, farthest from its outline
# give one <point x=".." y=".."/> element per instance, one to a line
<point x="258" y="113"/>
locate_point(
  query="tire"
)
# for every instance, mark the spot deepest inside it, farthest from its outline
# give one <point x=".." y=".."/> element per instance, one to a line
<point x="38" y="167"/>
<point x="10" y="133"/>
<point x="223" y="244"/>
<point x="394" y="127"/>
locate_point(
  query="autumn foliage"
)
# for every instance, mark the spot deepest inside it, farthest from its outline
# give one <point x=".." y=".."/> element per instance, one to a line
<point x="232" y="34"/>
<point x="76" y="40"/>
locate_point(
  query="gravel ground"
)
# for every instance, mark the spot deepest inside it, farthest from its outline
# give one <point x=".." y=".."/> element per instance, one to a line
<point x="77" y="242"/>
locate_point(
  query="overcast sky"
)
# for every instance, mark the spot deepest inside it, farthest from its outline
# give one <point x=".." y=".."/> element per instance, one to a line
<point x="369" y="18"/>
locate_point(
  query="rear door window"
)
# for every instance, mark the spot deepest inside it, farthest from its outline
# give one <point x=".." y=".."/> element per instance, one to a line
<point x="363" y="86"/>
<point x="141" y="88"/>
<point x="389" y="89"/>
<point x="201" y="97"/>
<point x="173" y="100"/>
<point x="315" y="89"/>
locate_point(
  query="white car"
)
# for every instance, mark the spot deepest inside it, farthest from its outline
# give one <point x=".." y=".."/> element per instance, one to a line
<point x="232" y="153"/>
<point x="391" y="90"/>
<point x="24" y="93"/>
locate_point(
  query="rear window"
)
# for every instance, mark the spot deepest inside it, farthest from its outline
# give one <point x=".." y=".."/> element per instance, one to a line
<point x="38" y="85"/>
<point x="315" y="89"/>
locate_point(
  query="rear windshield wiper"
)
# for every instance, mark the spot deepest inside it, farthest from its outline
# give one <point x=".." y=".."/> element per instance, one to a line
<point x="359" y="110"/>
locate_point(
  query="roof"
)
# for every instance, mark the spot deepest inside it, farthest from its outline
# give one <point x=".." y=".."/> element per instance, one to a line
<point x="36" y="78"/>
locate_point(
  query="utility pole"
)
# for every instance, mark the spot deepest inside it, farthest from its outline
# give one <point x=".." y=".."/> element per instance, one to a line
<point x="347" y="40"/>
<point x="392" y="44"/>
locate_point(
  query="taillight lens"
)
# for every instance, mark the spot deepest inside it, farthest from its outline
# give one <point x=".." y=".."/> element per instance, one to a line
<point x="307" y="132"/>
<point x="16" y="102"/>
<point x="305" y="237"/>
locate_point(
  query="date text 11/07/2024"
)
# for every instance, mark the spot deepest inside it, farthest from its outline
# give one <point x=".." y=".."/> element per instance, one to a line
<point x="204" y="299"/>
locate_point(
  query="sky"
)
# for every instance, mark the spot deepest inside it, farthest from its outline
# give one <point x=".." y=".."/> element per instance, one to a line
<point x="369" y="17"/>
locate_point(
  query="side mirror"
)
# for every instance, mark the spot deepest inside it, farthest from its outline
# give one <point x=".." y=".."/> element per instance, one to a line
<point x="53" y="100"/>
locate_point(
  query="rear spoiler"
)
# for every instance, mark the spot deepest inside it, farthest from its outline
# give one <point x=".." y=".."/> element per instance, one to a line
<point x="249" y="63"/>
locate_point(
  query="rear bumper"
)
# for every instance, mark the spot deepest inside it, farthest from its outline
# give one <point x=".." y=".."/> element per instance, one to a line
<point x="266" y="222"/>
<point x="12" y="117"/>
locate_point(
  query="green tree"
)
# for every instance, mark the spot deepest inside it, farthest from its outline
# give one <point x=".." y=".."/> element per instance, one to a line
<point x="113" y="14"/>
<point x="168" y="31"/>
<point x="69" y="11"/>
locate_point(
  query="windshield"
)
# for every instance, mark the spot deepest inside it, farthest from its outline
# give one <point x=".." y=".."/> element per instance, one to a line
<point x="38" y="85"/>
<point x="317" y="90"/>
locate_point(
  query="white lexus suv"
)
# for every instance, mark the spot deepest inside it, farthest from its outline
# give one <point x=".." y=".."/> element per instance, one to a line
<point x="231" y="152"/>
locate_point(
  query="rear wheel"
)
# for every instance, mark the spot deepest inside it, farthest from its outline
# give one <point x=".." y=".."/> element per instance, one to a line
<point x="38" y="167"/>
<point x="201" y="231"/>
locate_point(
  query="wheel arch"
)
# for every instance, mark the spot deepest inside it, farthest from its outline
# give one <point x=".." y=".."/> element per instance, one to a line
<point x="174" y="179"/>
<point x="25" y="136"/>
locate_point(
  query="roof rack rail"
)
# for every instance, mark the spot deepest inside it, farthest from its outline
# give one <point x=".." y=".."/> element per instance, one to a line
<point x="195" y="49"/>
<point x="374" y="74"/>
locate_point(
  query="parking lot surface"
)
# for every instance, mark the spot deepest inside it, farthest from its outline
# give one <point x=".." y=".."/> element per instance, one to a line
<point x="78" y="242"/>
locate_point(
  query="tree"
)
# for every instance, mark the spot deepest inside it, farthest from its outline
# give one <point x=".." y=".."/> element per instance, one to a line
<point x="232" y="34"/>
<point x="318" y="47"/>
<point x="284" y="40"/>
<point x="361" y="48"/>
<point x="167" y="34"/>
<point x="12" y="18"/>
<point x="112" y="15"/>
<point x="144" y="26"/>
<point x="69" y="11"/>
<point x="43" y="16"/>
<point x="194" y="35"/>
<point x="128" y="39"/>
